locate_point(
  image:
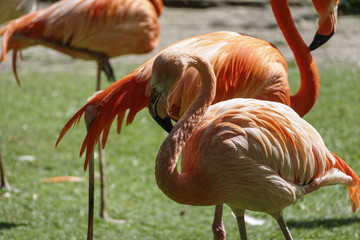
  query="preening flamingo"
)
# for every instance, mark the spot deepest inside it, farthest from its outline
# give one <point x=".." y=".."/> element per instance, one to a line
<point x="249" y="154"/>
<point x="87" y="29"/>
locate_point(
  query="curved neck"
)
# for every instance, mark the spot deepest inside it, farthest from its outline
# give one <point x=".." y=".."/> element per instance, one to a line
<point x="306" y="96"/>
<point x="158" y="4"/>
<point x="177" y="186"/>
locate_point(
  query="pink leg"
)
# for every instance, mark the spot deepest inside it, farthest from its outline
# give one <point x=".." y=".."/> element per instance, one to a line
<point x="279" y="218"/>
<point x="218" y="225"/>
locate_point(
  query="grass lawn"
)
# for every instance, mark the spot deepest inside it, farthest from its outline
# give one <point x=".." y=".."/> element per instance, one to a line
<point x="32" y="116"/>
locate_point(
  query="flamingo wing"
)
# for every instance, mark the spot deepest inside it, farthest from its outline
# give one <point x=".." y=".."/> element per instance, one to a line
<point x="260" y="131"/>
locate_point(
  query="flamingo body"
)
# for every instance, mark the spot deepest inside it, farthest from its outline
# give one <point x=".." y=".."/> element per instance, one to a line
<point x="87" y="28"/>
<point x="265" y="145"/>
<point x="262" y="149"/>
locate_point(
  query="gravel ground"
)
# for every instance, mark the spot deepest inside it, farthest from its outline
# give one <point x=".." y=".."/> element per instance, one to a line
<point x="180" y="23"/>
<point x="260" y="22"/>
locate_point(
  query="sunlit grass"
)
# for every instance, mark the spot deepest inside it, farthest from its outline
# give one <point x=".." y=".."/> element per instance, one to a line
<point x="32" y="116"/>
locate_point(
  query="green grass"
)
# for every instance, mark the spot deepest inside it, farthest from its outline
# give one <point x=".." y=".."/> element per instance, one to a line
<point x="32" y="116"/>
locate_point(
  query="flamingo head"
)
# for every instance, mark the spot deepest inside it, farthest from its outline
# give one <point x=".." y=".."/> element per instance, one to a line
<point x="327" y="10"/>
<point x="168" y="69"/>
<point x="158" y="110"/>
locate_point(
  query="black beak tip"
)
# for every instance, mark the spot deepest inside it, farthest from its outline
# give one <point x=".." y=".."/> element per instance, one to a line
<point x="319" y="40"/>
<point x="164" y="123"/>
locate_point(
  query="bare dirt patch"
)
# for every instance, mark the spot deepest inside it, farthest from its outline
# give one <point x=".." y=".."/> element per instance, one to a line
<point x="343" y="48"/>
<point x="180" y="23"/>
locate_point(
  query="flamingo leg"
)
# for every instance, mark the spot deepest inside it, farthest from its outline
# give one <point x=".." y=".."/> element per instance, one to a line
<point x="280" y="219"/>
<point x="104" y="65"/>
<point x="103" y="213"/>
<point x="218" y="225"/>
<point x="4" y="183"/>
<point x="241" y="224"/>
<point x="90" y="114"/>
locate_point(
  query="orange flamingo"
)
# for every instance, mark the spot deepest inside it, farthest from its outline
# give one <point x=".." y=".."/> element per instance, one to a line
<point x="87" y="29"/>
<point x="90" y="30"/>
<point x="249" y="154"/>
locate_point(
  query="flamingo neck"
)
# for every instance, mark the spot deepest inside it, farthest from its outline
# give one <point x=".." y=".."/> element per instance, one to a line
<point x="158" y="4"/>
<point x="308" y="92"/>
<point x="181" y="187"/>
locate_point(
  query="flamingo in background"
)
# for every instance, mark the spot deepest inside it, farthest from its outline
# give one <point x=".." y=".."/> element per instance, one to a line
<point x="249" y="154"/>
<point x="90" y="30"/>
<point x="87" y="29"/>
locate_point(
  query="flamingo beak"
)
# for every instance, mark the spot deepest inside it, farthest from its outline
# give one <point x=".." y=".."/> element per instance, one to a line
<point x="319" y="40"/>
<point x="327" y="10"/>
<point x="162" y="119"/>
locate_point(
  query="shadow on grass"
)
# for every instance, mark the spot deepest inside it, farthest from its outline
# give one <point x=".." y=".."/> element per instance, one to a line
<point x="324" y="223"/>
<point x="6" y="225"/>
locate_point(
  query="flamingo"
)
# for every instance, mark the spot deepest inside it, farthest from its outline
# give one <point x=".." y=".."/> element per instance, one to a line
<point x="87" y="29"/>
<point x="90" y="30"/>
<point x="249" y="154"/>
<point x="243" y="68"/>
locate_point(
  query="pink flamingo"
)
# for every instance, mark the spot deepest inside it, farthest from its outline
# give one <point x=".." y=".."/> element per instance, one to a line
<point x="249" y="154"/>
